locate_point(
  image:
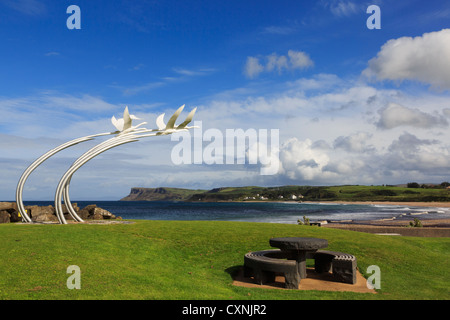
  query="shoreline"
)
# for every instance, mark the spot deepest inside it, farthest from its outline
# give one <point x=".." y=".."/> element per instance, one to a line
<point x="439" y="227"/>
<point x="390" y="203"/>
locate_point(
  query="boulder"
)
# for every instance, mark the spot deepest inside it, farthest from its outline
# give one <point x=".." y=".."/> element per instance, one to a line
<point x="104" y="213"/>
<point x="41" y="214"/>
<point x="83" y="214"/>
<point x="67" y="216"/>
<point x="74" y="206"/>
<point x="38" y="210"/>
<point x="96" y="216"/>
<point x="31" y="209"/>
<point x="15" y="217"/>
<point x="90" y="208"/>
<point x="8" y="206"/>
<point x="4" y="216"/>
<point x="45" y="217"/>
<point x="11" y="208"/>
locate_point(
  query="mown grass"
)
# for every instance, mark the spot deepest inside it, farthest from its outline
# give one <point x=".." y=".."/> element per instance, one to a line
<point x="195" y="260"/>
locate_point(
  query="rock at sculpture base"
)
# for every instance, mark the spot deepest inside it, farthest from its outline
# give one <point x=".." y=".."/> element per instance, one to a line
<point x="8" y="206"/>
<point x="4" y="216"/>
<point x="43" y="214"/>
<point x="83" y="214"/>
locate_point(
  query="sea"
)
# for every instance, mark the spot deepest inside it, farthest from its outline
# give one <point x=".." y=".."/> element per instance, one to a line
<point x="269" y="212"/>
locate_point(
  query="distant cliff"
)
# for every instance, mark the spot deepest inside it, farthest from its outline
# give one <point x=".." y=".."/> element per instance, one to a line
<point x="160" y="194"/>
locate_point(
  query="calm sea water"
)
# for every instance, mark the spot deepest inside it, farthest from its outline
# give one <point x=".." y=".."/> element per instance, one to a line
<point x="258" y="212"/>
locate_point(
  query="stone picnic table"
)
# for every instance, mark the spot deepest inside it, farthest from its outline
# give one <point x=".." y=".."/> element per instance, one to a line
<point x="297" y="249"/>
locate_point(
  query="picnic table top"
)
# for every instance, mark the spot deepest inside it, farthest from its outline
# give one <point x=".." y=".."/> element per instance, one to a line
<point x="298" y="243"/>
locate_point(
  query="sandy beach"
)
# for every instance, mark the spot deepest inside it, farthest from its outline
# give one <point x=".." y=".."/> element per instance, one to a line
<point x="431" y="227"/>
<point x="407" y="204"/>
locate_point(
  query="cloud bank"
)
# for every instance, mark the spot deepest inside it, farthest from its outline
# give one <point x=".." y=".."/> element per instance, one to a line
<point x="423" y="58"/>
<point x="395" y="115"/>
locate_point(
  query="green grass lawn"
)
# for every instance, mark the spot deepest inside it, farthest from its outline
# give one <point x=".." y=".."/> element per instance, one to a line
<point x="195" y="259"/>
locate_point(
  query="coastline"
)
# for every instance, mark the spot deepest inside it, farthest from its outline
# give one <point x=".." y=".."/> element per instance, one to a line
<point x="398" y="227"/>
<point x="390" y="203"/>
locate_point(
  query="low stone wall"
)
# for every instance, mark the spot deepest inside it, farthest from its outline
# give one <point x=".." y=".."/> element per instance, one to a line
<point x="404" y="231"/>
<point x="10" y="213"/>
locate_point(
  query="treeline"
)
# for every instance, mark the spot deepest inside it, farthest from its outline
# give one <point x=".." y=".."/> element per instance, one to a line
<point x="442" y="185"/>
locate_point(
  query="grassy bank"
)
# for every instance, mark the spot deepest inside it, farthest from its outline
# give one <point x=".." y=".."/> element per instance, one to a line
<point x="194" y="260"/>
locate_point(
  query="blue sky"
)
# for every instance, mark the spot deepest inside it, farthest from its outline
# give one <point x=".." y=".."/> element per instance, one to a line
<point x="353" y="105"/>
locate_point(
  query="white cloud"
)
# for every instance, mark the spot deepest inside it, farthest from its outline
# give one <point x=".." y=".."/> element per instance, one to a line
<point x="395" y="115"/>
<point x="299" y="59"/>
<point x="343" y="8"/>
<point x="340" y="8"/>
<point x="412" y="154"/>
<point x="274" y="62"/>
<point x="51" y="114"/>
<point x="137" y="67"/>
<point x="423" y="58"/>
<point x="27" y="7"/>
<point x="191" y="73"/>
<point x="354" y="143"/>
<point x="129" y="91"/>
<point x="408" y="144"/>
<point x="252" y="67"/>
<point x="301" y="160"/>
<point x="52" y="53"/>
<point x="279" y="30"/>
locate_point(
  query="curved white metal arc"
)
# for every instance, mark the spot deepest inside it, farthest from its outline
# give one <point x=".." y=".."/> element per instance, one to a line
<point x="66" y="196"/>
<point x="38" y="162"/>
<point x="67" y="201"/>
<point x="90" y="154"/>
<point x="69" y="205"/>
<point x="111" y="143"/>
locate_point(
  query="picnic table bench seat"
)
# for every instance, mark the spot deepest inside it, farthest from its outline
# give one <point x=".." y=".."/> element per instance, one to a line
<point x="264" y="265"/>
<point x="342" y="265"/>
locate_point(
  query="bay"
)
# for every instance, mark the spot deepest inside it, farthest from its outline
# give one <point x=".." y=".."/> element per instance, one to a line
<point x="270" y="212"/>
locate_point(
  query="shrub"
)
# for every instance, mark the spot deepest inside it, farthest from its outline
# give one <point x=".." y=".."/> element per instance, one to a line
<point x="304" y="222"/>
<point x="416" y="223"/>
<point x="413" y="185"/>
